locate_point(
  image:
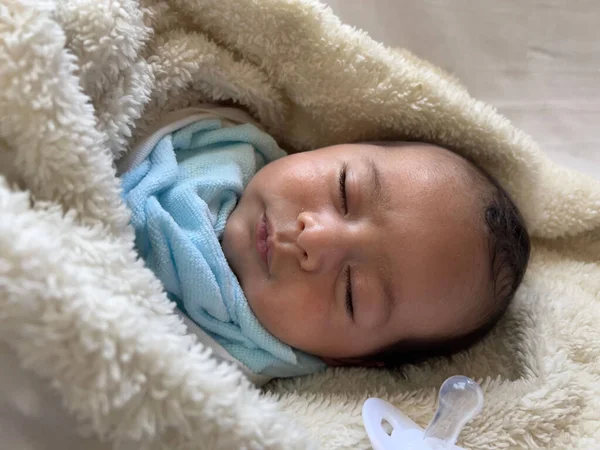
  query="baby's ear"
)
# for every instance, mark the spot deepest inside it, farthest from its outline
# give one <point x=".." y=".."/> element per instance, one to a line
<point x="352" y="362"/>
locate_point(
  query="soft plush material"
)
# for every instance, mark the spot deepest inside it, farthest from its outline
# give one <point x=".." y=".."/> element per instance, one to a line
<point x="81" y="80"/>
<point x="181" y="195"/>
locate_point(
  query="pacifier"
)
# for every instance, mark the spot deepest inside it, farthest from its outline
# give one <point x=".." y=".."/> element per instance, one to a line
<point x="460" y="400"/>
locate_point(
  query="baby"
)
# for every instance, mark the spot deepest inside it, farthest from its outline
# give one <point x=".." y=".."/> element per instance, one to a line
<point x="370" y="254"/>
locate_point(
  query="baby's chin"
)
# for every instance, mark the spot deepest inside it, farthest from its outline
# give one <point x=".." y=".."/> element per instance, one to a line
<point x="229" y="250"/>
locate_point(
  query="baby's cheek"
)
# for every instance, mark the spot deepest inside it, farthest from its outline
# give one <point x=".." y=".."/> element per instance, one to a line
<point x="305" y="313"/>
<point x="266" y="305"/>
<point x="290" y="313"/>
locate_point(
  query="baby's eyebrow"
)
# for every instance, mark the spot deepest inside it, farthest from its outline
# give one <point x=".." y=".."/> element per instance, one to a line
<point x="379" y="201"/>
<point x="383" y="274"/>
<point x="388" y="293"/>
<point x="376" y="193"/>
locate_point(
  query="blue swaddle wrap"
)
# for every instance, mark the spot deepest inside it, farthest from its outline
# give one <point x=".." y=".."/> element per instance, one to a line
<point x="181" y="196"/>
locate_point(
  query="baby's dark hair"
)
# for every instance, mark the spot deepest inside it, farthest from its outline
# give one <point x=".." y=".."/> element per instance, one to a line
<point x="509" y="246"/>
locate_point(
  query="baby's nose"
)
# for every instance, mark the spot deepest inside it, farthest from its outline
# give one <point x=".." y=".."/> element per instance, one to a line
<point x="322" y="240"/>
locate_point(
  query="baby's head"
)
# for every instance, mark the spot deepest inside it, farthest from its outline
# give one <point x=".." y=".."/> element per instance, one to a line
<point x="376" y="254"/>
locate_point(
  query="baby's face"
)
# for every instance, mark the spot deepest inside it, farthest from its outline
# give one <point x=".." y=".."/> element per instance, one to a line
<point x="345" y="250"/>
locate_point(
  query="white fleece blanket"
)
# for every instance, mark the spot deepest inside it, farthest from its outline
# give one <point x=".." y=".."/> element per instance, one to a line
<point x="81" y="79"/>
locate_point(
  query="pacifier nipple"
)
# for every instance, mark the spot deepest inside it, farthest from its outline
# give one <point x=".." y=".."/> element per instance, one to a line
<point x="460" y="400"/>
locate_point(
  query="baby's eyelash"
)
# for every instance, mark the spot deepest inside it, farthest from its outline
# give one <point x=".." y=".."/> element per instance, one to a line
<point x="342" y="184"/>
<point x="349" y="302"/>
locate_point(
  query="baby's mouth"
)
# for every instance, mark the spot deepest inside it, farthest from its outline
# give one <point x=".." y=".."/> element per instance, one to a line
<point x="262" y="241"/>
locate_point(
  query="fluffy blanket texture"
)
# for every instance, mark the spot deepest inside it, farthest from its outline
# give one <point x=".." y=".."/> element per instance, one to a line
<point x="81" y="79"/>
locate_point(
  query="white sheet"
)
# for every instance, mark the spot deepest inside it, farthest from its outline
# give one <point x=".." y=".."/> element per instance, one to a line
<point x="537" y="61"/>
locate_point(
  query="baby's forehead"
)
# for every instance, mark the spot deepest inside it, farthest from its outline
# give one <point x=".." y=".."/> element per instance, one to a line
<point x="424" y="152"/>
<point x="427" y="153"/>
<point x="430" y="165"/>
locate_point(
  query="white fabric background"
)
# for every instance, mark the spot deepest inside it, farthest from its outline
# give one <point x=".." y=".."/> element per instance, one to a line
<point x="537" y="61"/>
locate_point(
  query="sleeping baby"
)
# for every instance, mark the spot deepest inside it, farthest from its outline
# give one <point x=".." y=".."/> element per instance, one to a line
<point x="369" y="254"/>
